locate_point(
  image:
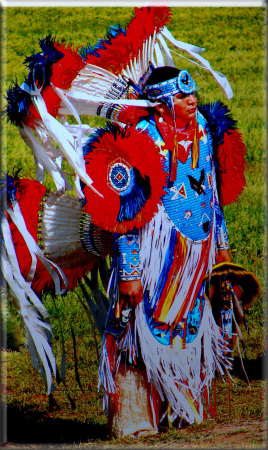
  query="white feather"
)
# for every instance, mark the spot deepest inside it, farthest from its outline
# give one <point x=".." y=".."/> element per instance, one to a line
<point x="195" y="51"/>
<point x="165" y="50"/>
<point x="28" y="305"/>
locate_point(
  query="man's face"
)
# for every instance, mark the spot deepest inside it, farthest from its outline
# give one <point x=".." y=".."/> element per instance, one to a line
<point x="185" y="108"/>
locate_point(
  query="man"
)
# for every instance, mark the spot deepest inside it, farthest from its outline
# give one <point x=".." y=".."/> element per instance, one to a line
<point x="175" y="252"/>
<point x="185" y="108"/>
<point x="161" y="345"/>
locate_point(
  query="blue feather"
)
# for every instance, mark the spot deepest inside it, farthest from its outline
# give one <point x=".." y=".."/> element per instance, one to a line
<point x="219" y="120"/>
<point x="88" y="146"/>
<point x="100" y="45"/>
<point x="112" y="33"/>
<point x="86" y="51"/>
<point x="40" y="64"/>
<point x="8" y="189"/>
<point x="132" y="202"/>
<point x="18" y="102"/>
<point x="110" y="128"/>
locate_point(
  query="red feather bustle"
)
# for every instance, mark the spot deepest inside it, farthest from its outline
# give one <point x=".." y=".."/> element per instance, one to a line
<point x="231" y="167"/>
<point x="29" y="194"/>
<point x="144" y="23"/>
<point x="139" y="151"/>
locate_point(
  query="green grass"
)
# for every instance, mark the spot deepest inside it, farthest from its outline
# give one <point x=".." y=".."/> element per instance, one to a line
<point x="234" y="39"/>
<point x="87" y="423"/>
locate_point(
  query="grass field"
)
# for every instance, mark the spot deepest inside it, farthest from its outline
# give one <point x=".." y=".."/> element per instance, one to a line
<point x="234" y="39"/>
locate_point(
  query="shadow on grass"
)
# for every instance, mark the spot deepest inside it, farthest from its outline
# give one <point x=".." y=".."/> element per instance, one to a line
<point x="255" y="368"/>
<point x="33" y="428"/>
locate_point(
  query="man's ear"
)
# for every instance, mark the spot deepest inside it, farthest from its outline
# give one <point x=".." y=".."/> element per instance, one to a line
<point x="160" y="109"/>
<point x="164" y="112"/>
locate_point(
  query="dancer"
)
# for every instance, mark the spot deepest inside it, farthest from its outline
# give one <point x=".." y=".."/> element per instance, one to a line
<point x="150" y="189"/>
<point x="161" y="282"/>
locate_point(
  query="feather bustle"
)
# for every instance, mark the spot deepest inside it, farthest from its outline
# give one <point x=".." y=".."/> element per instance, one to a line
<point x="231" y="167"/>
<point x="128" y="43"/>
<point x="29" y="194"/>
<point x="137" y="150"/>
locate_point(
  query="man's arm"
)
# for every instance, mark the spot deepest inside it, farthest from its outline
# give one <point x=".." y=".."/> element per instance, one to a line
<point x="131" y="291"/>
<point x="223" y="255"/>
<point x="129" y="286"/>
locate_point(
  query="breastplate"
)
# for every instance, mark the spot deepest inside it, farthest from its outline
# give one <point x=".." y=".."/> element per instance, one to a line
<point x="188" y="201"/>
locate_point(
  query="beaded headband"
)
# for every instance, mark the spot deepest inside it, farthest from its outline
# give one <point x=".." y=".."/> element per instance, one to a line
<point x="183" y="83"/>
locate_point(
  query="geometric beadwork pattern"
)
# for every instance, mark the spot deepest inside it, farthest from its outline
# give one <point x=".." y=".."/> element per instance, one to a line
<point x="119" y="176"/>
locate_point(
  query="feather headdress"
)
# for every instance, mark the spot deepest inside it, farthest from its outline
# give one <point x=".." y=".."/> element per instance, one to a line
<point x="105" y="80"/>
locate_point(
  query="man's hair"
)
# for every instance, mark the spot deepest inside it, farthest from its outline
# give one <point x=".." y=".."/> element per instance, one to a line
<point x="162" y="74"/>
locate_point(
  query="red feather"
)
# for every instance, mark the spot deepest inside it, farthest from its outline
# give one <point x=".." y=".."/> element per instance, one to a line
<point x="231" y="167"/>
<point x="29" y="194"/>
<point x="67" y="68"/>
<point x="114" y="57"/>
<point x="64" y="72"/>
<point x="139" y="151"/>
<point x="124" y="48"/>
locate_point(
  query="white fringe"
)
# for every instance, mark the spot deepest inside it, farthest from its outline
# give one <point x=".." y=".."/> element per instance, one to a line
<point x="175" y="371"/>
<point x="154" y="242"/>
<point x="33" y="313"/>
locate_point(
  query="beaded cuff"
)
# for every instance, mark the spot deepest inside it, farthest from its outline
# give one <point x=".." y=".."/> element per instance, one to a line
<point x="128" y="257"/>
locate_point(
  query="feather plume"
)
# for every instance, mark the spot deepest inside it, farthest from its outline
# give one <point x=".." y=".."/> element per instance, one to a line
<point x="18" y="103"/>
<point x="229" y="151"/>
<point x="40" y="64"/>
<point x="219" y="120"/>
<point x="56" y="64"/>
<point x="126" y="43"/>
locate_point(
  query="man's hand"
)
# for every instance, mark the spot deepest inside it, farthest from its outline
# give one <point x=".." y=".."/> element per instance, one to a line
<point x="223" y="255"/>
<point x="131" y="291"/>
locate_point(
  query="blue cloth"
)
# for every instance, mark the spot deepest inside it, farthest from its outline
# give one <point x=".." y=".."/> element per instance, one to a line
<point x="191" y="211"/>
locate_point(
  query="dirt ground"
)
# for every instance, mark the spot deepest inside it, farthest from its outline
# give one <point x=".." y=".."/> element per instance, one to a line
<point x="244" y="435"/>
